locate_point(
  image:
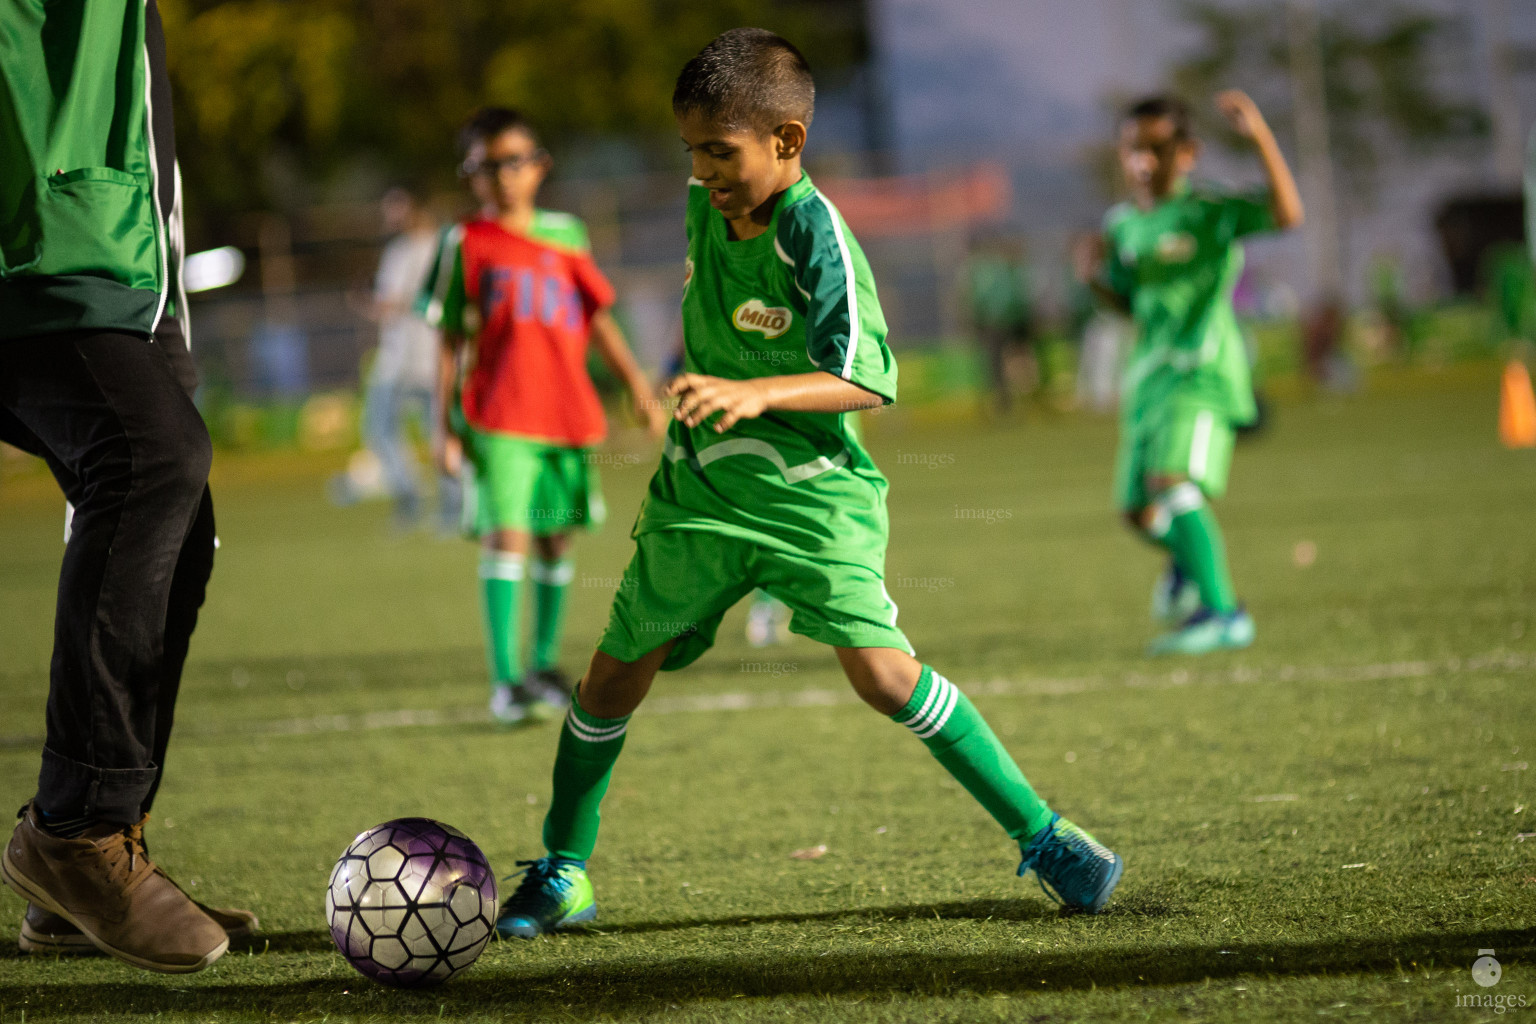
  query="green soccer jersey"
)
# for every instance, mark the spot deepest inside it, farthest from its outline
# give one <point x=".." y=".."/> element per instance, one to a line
<point x="1177" y="264"/>
<point x="796" y="299"/>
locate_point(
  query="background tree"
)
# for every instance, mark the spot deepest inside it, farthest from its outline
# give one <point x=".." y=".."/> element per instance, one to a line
<point x="1382" y="84"/>
<point x="280" y="102"/>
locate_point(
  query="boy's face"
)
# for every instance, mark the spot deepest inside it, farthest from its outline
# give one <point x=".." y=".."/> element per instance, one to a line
<point x="1153" y="157"/>
<point x="741" y="168"/>
<point x="506" y="170"/>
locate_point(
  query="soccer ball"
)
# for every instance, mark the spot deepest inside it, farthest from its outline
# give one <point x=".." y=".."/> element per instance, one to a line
<point x="411" y="902"/>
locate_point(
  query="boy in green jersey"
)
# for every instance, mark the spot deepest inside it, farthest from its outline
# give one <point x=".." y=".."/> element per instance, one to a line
<point x="1170" y="259"/>
<point x="763" y="483"/>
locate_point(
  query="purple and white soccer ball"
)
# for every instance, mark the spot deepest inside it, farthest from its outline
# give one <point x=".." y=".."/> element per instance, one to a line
<point x="411" y="902"/>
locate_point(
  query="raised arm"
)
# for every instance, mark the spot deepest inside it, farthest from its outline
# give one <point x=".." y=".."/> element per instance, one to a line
<point x="1244" y="116"/>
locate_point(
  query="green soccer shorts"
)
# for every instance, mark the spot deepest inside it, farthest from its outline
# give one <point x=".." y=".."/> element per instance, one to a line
<point x="680" y="583"/>
<point x="514" y="483"/>
<point x="1188" y="439"/>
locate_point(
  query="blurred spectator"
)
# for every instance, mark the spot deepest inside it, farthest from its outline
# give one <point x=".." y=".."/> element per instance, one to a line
<point x="1322" y="345"/>
<point x="400" y="381"/>
<point x="1391" y="306"/>
<point x="998" y="303"/>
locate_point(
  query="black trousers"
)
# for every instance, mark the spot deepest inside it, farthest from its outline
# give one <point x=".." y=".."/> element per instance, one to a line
<point x="113" y="417"/>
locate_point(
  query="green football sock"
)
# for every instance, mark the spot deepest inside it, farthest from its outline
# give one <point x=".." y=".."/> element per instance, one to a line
<point x="550" y="582"/>
<point x="955" y="733"/>
<point x="588" y="747"/>
<point x="1185" y="523"/>
<point x="501" y="577"/>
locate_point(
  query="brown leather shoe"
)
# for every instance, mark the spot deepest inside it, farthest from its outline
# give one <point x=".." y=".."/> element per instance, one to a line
<point x="107" y="887"/>
<point x="51" y="935"/>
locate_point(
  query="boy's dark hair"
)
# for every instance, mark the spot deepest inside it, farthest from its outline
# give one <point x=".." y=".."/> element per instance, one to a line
<point x="747" y="78"/>
<point x="488" y="122"/>
<point x="1165" y="105"/>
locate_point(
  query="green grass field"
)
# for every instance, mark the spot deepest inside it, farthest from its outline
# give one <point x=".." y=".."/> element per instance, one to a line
<point x="1327" y="826"/>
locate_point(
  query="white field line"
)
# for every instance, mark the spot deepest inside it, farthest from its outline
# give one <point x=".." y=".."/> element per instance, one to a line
<point x="817" y="697"/>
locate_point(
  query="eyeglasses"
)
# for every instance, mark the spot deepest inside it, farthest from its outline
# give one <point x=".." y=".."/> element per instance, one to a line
<point x="493" y="168"/>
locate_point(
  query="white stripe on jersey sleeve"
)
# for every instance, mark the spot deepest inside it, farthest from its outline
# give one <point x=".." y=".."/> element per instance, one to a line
<point x="853" y="302"/>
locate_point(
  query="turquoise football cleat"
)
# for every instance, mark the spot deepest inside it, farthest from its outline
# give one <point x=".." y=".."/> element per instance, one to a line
<point x="1207" y="631"/>
<point x="1073" y="868"/>
<point x="553" y="894"/>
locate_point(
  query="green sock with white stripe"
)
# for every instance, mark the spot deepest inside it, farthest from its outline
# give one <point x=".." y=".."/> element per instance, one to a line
<point x="501" y="577"/>
<point x="956" y="734"/>
<point x="583" y="764"/>
<point x="1183" y="521"/>
<point x="550" y="582"/>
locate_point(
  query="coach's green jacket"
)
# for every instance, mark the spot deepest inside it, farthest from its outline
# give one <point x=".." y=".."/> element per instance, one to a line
<point x="89" y="197"/>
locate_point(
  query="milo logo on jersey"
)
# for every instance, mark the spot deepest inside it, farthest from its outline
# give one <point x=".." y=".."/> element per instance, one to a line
<point x="770" y="321"/>
<point x="1177" y="247"/>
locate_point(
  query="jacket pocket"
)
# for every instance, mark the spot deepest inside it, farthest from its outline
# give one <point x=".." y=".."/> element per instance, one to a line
<point x="97" y="221"/>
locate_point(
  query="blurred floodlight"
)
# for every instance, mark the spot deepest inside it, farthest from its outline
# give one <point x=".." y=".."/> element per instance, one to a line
<point x="214" y="268"/>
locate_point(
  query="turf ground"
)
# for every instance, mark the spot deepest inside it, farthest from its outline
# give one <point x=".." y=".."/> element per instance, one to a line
<point x="1324" y="827"/>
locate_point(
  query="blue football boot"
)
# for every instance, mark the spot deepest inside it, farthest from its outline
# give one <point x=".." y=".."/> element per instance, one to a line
<point x="1207" y="631"/>
<point x="1074" y="869"/>
<point x="553" y="894"/>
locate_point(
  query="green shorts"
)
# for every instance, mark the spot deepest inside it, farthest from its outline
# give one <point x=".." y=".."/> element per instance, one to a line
<point x="1188" y="439"/>
<point x="680" y="583"/>
<point x="514" y="483"/>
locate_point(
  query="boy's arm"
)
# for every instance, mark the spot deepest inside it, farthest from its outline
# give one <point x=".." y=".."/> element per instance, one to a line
<point x="447" y="448"/>
<point x="701" y="396"/>
<point x="1284" y="198"/>
<point x="615" y="351"/>
<point x="1089" y="260"/>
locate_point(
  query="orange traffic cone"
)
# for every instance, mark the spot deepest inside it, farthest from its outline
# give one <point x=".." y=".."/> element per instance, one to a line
<point x="1517" y="407"/>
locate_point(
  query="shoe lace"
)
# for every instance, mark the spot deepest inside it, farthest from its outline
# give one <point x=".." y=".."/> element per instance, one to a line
<point x="1053" y="851"/>
<point x="127" y="861"/>
<point x="543" y="885"/>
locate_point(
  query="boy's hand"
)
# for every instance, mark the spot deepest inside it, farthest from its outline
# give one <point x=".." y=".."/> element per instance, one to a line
<point x="448" y="452"/>
<point x="1088" y="251"/>
<point x="650" y="412"/>
<point x="700" y="396"/>
<point x="1242" y="113"/>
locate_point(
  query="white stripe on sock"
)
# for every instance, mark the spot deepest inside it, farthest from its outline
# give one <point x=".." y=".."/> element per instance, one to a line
<point x="501" y="567"/>
<point x="590" y="734"/>
<point x="918" y="719"/>
<point x="556" y="574"/>
<point x="942" y="689"/>
<point x="952" y="698"/>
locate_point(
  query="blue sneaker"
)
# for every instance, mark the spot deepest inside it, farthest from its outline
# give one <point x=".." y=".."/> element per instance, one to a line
<point x="1207" y="631"/>
<point x="1073" y="868"/>
<point x="1175" y="597"/>
<point x="554" y="893"/>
